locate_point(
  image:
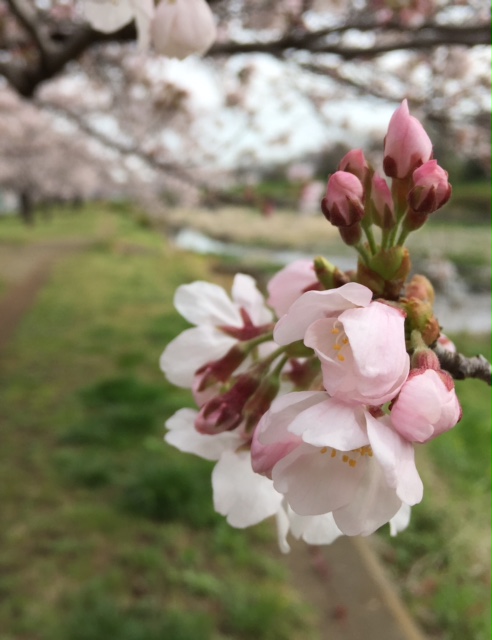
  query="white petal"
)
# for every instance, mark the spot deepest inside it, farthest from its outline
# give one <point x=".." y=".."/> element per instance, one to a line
<point x="374" y="504"/>
<point x="314" y="305"/>
<point x="400" y="521"/>
<point x="331" y="423"/>
<point x="273" y="427"/>
<point x="282" y="528"/>
<point x="109" y="15"/>
<point x="314" y="529"/>
<point x="206" y="303"/>
<point x="183" y="435"/>
<point x="397" y="458"/>
<point x="193" y="348"/>
<point x="245" y="294"/>
<point x="242" y="495"/>
<point x="314" y="482"/>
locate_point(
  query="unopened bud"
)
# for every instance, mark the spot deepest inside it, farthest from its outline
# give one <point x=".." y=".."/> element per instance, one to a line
<point x="420" y="316"/>
<point x="328" y="275"/>
<point x="381" y="203"/>
<point x="222" y="369"/>
<point x="425" y="358"/>
<point x="406" y="145"/>
<point x="431" y="189"/>
<point x="225" y="412"/>
<point x="260" y="401"/>
<point x="343" y="205"/>
<point x="420" y="288"/>
<point x="355" y="162"/>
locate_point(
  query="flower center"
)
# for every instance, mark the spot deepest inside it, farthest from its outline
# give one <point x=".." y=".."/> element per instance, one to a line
<point x="340" y="342"/>
<point x="349" y="457"/>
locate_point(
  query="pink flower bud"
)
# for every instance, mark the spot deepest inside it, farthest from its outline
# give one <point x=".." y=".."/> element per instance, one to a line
<point x="265" y="456"/>
<point x="431" y="189"/>
<point x="406" y="145"/>
<point x="355" y="162"/>
<point x="343" y="204"/>
<point x="427" y="406"/>
<point x="382" y="207"/>
<point x="224" y="412"/>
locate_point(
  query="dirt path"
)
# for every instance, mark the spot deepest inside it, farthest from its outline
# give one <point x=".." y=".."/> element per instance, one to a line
<point x="345" y="582"/>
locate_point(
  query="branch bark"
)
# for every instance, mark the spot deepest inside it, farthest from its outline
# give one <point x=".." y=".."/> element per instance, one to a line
<point x="461" y="367"/>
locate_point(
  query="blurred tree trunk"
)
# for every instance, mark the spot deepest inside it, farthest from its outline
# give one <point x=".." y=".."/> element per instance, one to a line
<point x="26" y="208"/>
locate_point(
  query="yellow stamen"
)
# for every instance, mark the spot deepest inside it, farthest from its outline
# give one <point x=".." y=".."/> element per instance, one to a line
<point x="345" y="458"/>
<point x="340" y="357"/>
<point x="333" y="453"/>
<point x="352" y="463"/>
<point x="324" y="449"/>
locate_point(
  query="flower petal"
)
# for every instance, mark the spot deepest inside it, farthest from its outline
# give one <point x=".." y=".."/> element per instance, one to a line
<point x="273" y="426"/>
<point x="183" y="435"/>
<point x="314" y="305"/>
<point x="400" y="521"/>
<point x="397" y="458"/>
<point x="206" y="303"/>
<point x="245" y="294"/>
<point x="289" y="283"/>
<point x="374" y="504"/>
<point x="315" y="483"/>
<point x="240" y="494"/>
<point x="193" y="348"/>
<point x="331" y="423"/>
<point x="314" y="529"/>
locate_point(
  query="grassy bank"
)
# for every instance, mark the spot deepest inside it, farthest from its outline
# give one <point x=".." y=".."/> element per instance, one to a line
<point x="106" y="531"/>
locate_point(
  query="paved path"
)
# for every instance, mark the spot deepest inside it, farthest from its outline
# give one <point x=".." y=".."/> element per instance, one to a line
<point x="345" y="582"/>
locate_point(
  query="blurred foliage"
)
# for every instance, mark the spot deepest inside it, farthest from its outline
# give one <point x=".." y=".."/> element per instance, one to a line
<point x="107" y="532"/>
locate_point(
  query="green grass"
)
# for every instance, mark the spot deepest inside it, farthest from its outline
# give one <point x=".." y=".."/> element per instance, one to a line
<point x="107" y="532"/>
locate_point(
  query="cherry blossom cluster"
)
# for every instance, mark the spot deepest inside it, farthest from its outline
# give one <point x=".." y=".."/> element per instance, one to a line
<point x="313" y="401"/>
<point x="175" y="28"/>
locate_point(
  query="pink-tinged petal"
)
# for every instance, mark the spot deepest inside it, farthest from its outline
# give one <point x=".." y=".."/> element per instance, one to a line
<point x="314" y="529"/>
<point x="265" y="457"/>
<point x="206" y="303"/>
<point x="314" y="482"/>
<point x="273" y="426"/>
<point x="246" y="295"/>
<point x="108" y="16"/>
<point x="289" y="284"/>
<point x="397" y="459"/>
<point x="377" y="339"/>
<point x="314" y="305"/>
<point x="331" y="423"/>
<point x="425" y="407"/>
<point x="400" y="521"/>
<point x="193" y="348"/>
<point x="182" y="28"/>
<point x="374" y="504"/>
<point x="240" y="494"/>
<point x="183" y="435"/>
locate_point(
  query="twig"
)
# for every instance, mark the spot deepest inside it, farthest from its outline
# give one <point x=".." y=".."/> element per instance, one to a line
<point x="461" y="367"/>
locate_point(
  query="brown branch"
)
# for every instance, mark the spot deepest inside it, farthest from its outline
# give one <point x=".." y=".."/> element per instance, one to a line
<point x="424" y="38"/>
<point x="461" y="367"/>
